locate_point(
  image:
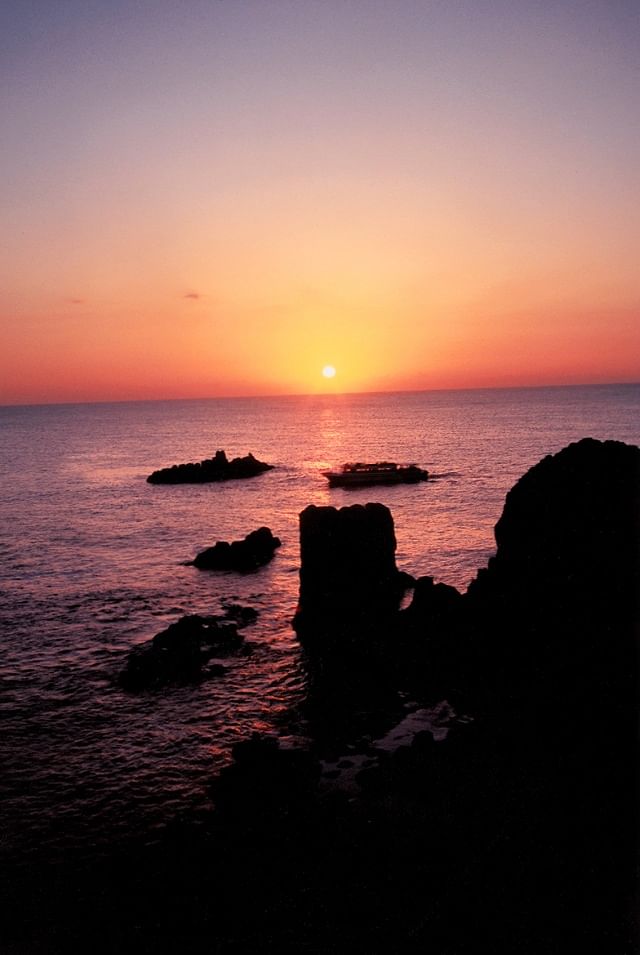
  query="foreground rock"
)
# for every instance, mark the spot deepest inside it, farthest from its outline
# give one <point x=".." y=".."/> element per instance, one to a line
<point x="181" y="653"/>
<point x="217" y="468"/>
<point x="246" y="555"/>
<point x="558" y="607"/>
<point x="266" y="780"/>
<point x="349" y="582"/>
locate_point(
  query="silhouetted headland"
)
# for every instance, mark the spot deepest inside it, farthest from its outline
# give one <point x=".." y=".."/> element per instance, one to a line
<point x="217" y="468"/>
<point x="529" y="814"/>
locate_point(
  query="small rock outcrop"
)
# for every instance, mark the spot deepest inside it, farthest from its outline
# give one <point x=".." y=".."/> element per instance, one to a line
<point x="244" y="556"/>
<point x="181" y="653"/>
<point x="432" y="603"/>
<point x="266" y="780"/>
<point x="349" y="582"/>
<point x="217" y="468"/>
<point x="430" y="630"/>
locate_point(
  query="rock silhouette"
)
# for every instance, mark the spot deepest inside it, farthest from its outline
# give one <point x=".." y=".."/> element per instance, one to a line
<point x="557" y="608"/>
<point x="553" y="646"/>
<point x="181" y="653"/>
<point x="571" y="527"/>
<point x="244" y="556"/>
<point x="217" y="468"/>
<point x="349" y="582"/>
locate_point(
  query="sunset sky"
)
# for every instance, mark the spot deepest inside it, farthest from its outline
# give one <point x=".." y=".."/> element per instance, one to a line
<point x="224" y="197"/>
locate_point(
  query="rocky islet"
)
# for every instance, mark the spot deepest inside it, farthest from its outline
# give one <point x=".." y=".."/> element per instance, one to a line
<point x="217" y="468"/>
<point x="244" y="556"/>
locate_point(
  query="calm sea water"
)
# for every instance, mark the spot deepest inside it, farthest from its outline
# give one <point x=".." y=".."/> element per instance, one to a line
<point x="93" y="562"/>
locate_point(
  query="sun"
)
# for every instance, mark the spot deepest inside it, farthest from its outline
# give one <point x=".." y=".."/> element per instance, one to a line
<point x="329" y="371"/>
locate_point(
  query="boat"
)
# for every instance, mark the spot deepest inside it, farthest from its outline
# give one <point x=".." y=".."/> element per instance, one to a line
<point x="382" y="472"/>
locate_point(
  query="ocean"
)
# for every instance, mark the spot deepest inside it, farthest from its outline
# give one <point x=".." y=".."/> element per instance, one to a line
<point x="94" y="563"/>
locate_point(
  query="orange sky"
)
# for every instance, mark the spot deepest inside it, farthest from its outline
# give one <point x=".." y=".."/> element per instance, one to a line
<point x="222" y="202"/>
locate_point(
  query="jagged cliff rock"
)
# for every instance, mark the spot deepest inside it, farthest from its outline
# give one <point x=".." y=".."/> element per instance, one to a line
<point x="349" y="582"/>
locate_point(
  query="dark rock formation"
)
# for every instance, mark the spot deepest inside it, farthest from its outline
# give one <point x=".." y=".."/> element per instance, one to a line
<point x="553" y="648"/>
<point x="540" y="810"/>
<point x="570" y="527"/>
<point x="244" y="556"/>
<point x="549" y="626"/>
<point x="349" y="582"/>
<point x="266" y="780"/>
<point x="217" y="468"/>
<point x="433" y="607"/>
<point x="181" y="653"/>
<point x="429" y="635"/>
<point x="557" y="609"/>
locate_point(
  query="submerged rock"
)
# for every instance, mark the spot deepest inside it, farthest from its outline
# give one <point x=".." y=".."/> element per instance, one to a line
<point x="243" y="616"/>
<point x="246" y="555"/>
<point x="217" y="468"/>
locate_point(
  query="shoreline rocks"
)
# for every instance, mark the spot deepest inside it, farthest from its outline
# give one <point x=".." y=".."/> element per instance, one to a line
<point x="244" y="556"/>
<point x="217" y="468"/>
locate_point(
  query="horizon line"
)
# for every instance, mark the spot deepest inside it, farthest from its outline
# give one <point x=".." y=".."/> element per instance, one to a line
<point x="318" y="394"/>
